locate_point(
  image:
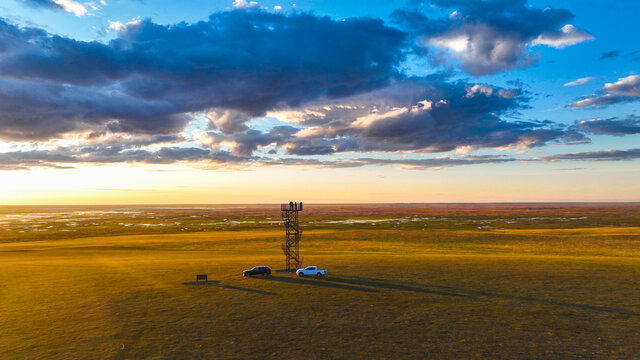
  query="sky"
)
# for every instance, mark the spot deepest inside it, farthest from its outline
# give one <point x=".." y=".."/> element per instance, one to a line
<point x="203" y="101"/>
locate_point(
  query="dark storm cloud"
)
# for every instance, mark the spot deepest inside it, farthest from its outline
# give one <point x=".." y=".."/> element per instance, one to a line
<point x="151" y="75"/>
<point x="490" y="36"/>
<point x="612" y="126"/>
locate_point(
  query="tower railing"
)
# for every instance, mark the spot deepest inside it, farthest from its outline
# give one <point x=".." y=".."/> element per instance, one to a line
<point x="292" y="206"/>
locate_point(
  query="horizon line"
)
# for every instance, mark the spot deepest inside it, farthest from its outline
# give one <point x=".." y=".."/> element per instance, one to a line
<point x="338" y="203"/>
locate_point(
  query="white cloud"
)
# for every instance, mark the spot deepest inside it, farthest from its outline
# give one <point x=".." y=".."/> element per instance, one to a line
<point x="482" y="49"/>
<point x="375" y="116"/>
<point x="72" y="7"/>
<point x="116" y="25"/>
<point x="590" y="101"/>
<point x="567" y="36"/>
<point x="277" y="8"/>
<point x="296" y="116"/>
<point x="456" y="43"/>
<point x="488" y="90"/>
<point x="477" y="89"/>
<point x="242" y="4"/>
<point x="580" y="81"/>
<point x="629" y="86"/>
<point x="366" y="121"/>
<point x="626" y="89"/>
<point x="466" y="149"/>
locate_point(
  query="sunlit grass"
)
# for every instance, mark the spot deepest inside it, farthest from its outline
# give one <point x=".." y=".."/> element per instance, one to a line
<point x="389" y="293"/>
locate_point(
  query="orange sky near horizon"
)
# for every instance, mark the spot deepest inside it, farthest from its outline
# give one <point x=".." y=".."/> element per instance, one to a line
<point x="185" y="184"/>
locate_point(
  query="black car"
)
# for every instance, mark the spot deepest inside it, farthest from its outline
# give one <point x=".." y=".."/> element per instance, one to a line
<point x="258" y="270"/>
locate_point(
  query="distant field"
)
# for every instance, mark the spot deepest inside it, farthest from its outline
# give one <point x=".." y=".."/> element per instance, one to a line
<point x="524" y="281"/>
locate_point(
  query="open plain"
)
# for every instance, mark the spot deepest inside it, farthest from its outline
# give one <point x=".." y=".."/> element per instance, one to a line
<point x="511" y="281"/>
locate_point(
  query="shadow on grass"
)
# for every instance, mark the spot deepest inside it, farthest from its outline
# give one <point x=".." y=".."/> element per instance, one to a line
<point x="582" y="306"/>
<point x="217" y="283"/>
<point x="460" y="292"/>
<point x="19" y="250"/>
<point x="383" y="284"/>
<point x="208" y="282"/>
<point x="316" y="282"/>
<point x="247" y="290"/>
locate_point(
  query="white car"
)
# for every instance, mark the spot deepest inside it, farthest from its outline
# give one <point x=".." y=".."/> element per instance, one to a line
<point x="311" y="270"/>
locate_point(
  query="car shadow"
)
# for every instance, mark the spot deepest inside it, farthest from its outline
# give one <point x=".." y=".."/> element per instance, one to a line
<point x="462" y="292"/>
<point x="316" y="282"/>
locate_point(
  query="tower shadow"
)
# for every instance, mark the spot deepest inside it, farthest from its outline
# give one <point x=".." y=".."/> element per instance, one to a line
<point x="318" y="283"/>
<point x="471" y="293"/>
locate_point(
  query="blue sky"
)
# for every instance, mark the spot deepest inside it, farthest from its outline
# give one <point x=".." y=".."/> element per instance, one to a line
<point x="409" y="86"/>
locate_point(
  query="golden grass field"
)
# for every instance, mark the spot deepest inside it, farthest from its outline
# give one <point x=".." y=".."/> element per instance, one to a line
<point x="392" y="291"/>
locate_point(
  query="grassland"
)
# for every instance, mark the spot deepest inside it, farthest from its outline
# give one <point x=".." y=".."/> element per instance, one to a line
<point x="457" y="281"/>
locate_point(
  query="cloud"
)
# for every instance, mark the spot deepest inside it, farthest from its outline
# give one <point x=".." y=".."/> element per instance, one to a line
<point x="488" y="36"/>
<point x="568" y="35"/>
<point x="66" y="157"/>
<point x="605" y="155"/>
<point x="70" y="6"/>
<point x="626" y="89"/>
<point x="612" y="126"/>
<point x="116" y="25"/>
<point x="243" y="61"/>
<point x="228" y="121"/>
<point x="442" y="162"/>
<point x="334" y="85"/>
<point x="243" y="4"/>
<point x="102" y="155"/>
<point x="579" y="81"/>
<point x="414" y="115"/>
<point x="600" y="101"/>
<point x="629" y="86"/>
<point x="410" y="164"/>
<point x="42" y="3"/>
<point x="483" y="49"/>
<point x="610" y="54"/>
